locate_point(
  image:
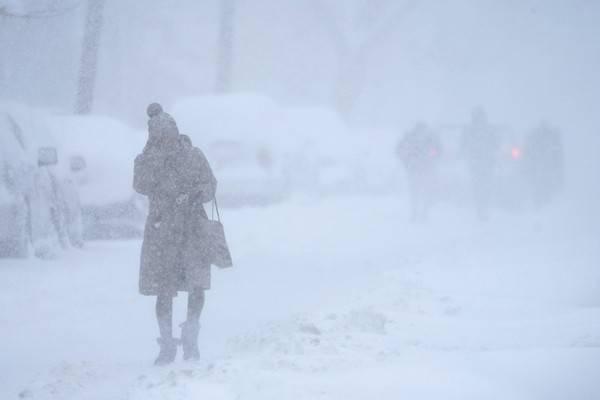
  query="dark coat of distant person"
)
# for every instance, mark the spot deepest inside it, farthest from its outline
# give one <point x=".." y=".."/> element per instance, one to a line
<point x="177" y="179"/>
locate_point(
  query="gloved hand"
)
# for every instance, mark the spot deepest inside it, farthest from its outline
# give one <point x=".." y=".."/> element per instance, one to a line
<point x="182" y="199"/>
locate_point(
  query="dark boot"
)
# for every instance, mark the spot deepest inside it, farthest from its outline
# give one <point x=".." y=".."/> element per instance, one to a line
<point x="189" y="340"/>
<point x="164" y="317"/>
<point x="168" y="351"/>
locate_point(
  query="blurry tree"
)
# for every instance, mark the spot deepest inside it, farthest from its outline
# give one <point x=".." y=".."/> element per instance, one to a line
<point x="20" y="10"/>
<point x="355" y="29"/>
<point x="89" y="56"/>
<point x="225" y="46"/>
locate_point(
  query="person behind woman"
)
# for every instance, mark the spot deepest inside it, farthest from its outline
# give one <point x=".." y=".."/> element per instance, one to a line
<point x="177" y="179"/>
<point x="419" y="150"/>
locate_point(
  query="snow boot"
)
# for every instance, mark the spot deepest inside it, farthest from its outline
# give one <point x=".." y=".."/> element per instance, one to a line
<point x="189" y="340"/>
<point x="168" y="351"/>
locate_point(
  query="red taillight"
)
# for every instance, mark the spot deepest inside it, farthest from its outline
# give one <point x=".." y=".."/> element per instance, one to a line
<point x="516" y="153"/>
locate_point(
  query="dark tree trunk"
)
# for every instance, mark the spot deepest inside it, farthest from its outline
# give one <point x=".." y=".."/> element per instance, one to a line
<point x="225" y="46"/>
<point x="89" y="57"/>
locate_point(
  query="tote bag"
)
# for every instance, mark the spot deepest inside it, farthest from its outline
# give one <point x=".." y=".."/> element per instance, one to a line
<point x="218" y="249"/>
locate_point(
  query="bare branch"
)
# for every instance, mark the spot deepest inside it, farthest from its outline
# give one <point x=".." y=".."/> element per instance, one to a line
<point x="385" y="22"/>
<point x="387" y="25"/>
<point x="40" y="14"/>
<point x="328" y="20"/>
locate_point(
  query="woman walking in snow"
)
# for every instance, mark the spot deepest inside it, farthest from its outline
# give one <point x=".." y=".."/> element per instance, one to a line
<point x="177" y="179"/>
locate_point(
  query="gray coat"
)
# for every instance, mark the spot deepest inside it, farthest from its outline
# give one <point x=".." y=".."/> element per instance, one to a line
<point x="177" y="180"/>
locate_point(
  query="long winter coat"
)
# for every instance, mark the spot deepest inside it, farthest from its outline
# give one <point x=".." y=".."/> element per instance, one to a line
<point x="177" y="180"/>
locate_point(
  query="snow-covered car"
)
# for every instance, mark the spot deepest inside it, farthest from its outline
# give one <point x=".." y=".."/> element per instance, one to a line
<point x="38" y="208"/>
<point x="99" y="154"/>
<point x="238" y="134"/>
<point x="246" y="174"/>
<point x="323" y="157"/>
<point x="262" y="151"/>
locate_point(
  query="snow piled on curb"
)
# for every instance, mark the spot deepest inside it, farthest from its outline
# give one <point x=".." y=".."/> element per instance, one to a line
<point x="504" y="311"/>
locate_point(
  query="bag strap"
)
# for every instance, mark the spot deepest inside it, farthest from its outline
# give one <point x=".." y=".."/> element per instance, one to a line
<point x="215" y="206"/>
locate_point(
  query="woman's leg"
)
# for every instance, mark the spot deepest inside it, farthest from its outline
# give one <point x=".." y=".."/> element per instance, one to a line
<point x="195" y="304"/>
<point x="191" y="327"/>
<point x="164" y="316"/>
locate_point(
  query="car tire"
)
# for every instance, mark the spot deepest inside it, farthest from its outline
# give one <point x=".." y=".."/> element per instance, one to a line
<point x="16" y="247"/>
<point x="21" y="246"/>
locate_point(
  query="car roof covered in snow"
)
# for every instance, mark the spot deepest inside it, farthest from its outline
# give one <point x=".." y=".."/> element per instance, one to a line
<point x="108" y="147"/>
<point x="257" y="120"/>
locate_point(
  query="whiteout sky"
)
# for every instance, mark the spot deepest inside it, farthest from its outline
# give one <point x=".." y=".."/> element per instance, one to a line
<point x="507" y="309"/>
<point x="524" y="60"/>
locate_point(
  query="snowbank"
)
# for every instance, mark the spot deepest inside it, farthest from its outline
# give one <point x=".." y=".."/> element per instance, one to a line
<point x="366" y="306"/>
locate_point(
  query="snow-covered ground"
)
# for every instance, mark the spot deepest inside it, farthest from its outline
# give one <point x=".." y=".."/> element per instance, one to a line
<point x="330" y="299"/>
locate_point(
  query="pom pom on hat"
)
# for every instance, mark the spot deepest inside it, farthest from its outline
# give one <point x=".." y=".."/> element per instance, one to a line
<point x="154" y="109"/>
